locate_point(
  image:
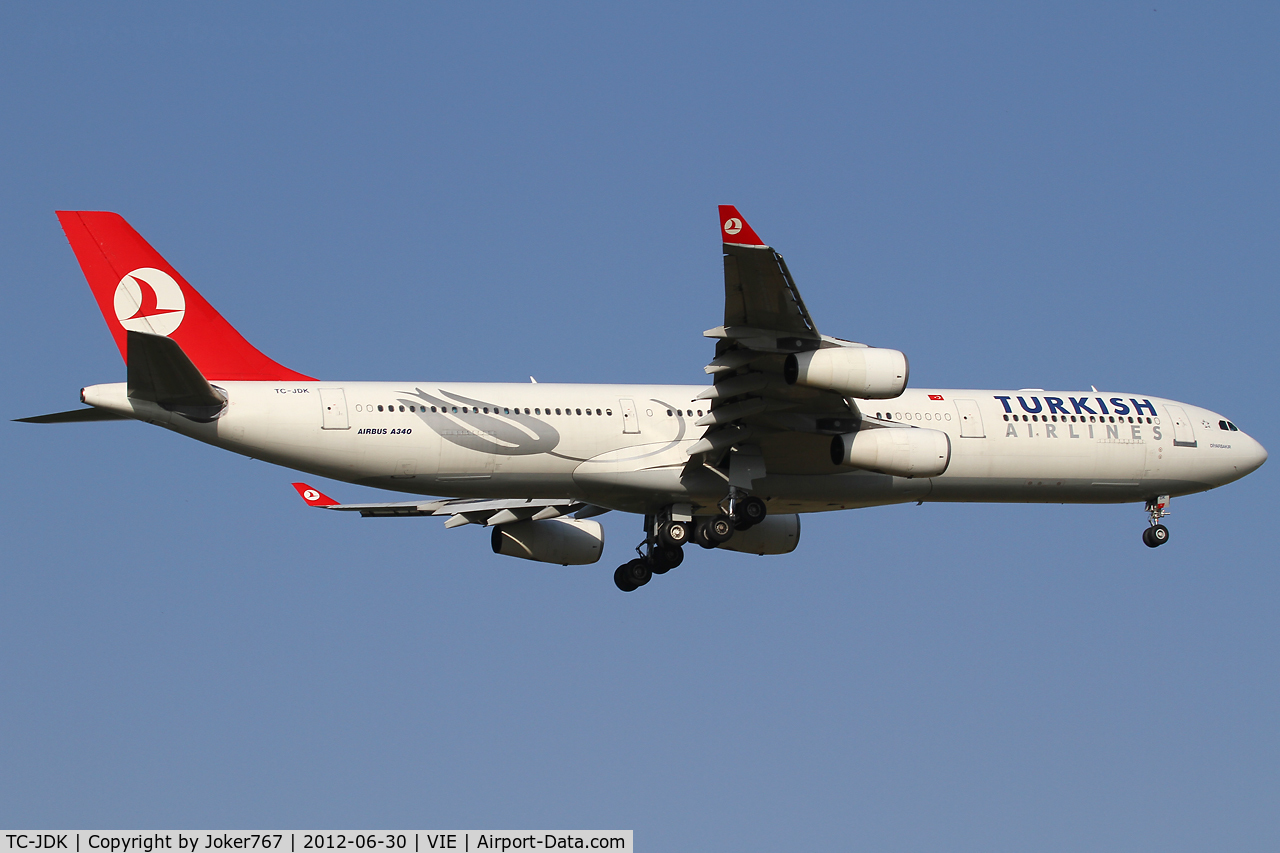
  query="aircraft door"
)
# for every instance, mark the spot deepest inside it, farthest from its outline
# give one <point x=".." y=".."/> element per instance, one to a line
<point x="333" y="405"/>
<point x="1183" y="434"/>
<point x="630" y="421"/>
<point x="970" y="419"/>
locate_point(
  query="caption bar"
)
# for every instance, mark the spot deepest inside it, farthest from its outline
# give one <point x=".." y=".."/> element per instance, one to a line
<point x="207" y="841"/>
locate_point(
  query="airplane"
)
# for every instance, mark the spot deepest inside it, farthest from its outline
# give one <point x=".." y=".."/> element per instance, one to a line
<point x="794" y="421"/>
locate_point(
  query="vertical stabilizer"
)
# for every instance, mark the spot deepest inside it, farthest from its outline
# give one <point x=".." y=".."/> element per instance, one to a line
<point x="138" y="291"/>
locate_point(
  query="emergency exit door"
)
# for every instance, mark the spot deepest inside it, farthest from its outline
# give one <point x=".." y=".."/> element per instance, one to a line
<point x="970" y="419"/>
<point x="630" y="422"/>
<point x="1183" y="434"/>
<point x="333" y="406"/>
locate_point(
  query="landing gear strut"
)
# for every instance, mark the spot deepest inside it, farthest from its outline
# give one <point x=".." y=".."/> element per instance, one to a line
<point x="1157" y="534"/>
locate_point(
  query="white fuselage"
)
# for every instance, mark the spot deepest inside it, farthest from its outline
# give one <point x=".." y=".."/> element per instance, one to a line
<point x="630" y="452"/>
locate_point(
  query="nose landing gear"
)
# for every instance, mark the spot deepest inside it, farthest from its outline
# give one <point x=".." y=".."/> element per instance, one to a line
<point x="1157" y="534"/>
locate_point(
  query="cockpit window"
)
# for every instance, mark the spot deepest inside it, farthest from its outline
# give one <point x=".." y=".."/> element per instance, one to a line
<point x="1234" y="428"/>
<point x="1223" y="425"/>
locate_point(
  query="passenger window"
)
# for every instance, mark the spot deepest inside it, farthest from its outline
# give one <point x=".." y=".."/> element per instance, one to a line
<point x="433" y="408"/>
<point x="608" y="413"/>
<point x="557" y="411"/>
<point x="379" y="408"/>
<point x="579" y="411"/>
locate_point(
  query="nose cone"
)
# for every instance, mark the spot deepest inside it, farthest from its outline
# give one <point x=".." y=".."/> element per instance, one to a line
<point x="1252" y="455"/>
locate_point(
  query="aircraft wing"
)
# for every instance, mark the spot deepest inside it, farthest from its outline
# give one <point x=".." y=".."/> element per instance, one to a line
<point x="459" y="511"/>
<point x="765" y="320"/>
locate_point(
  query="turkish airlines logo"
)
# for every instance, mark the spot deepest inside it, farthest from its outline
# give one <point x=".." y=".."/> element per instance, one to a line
<point x="149" y="300"/>
<point x="732" y="226"/>
<point x="311" y="495"/>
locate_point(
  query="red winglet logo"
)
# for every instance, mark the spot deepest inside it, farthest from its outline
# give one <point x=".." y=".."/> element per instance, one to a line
<point x="314" y="497"/>
<point x="935" y="396"/>
<point x="734" y="229"/>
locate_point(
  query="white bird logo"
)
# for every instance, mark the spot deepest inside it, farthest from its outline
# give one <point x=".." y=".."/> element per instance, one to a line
<point x="732" y="226"/>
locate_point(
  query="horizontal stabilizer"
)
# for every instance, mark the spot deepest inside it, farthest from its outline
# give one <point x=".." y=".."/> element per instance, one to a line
<point x="75" y="416"/>
<point x="459" y="511"/>
<point x="159" y="371"/>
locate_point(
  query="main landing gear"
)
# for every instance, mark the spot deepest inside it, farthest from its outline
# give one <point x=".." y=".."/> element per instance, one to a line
<point x="663" y="546"/>
<point x="1157" y="534"/>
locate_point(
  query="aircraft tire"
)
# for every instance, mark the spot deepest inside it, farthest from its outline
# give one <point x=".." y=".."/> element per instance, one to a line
<point x="674" y="533"/>
<point x="1159" y="535"/>
<point x="720" y="529"/>
<point x="702" y="535"/>
<point x="752" y="510"/>
<point x="622" y="579"/>
<point x="664" y="558"/>
<point x="638" y="572"/>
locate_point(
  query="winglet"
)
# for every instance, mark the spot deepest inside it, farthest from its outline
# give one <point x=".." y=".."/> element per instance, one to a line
<point x="314" y="497"/>
<point x="734" y="229"/>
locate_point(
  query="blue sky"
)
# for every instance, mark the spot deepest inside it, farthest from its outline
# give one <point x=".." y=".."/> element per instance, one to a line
<point x="1015" y="195"/>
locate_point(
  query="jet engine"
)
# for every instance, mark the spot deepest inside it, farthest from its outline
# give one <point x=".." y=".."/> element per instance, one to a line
<point x="868" y="373"/>
<point x="567" y="541"/>
<point x="777" y="534"/>
<point x="902" y="452"/>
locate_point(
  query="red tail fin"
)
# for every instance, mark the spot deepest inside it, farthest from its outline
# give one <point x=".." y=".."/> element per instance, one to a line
<point x="138" y="291"/>
<point x="734" y="229"/>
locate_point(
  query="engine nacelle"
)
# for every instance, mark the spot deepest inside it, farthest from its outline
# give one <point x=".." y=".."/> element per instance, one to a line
<point x="777" y="534"/>
<point x="905" y="452"/>
<point x="868" y="373"/>
<point x="567" y="541"/>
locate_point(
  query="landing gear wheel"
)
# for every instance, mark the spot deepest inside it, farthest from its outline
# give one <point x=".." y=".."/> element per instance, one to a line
<point x="714" y="531"/>
<point x="674" y="534"/>
<point x="1155" y="536"/>
<point x="720" y="529"/>
<point x="632" y="575"/>
<point x="752" y="511"/>
<point x="622" y="579"/>
<point x="664" y="558"/>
